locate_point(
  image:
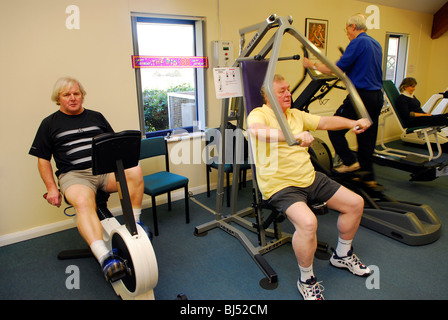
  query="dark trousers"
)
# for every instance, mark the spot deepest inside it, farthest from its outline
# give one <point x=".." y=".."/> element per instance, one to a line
<point x="435" y="120"/>
<point x="373" y="101"/>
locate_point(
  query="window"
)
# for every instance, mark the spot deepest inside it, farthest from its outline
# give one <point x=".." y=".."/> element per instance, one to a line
<point x="396" y="57"/>
<point x="169" y="97"/>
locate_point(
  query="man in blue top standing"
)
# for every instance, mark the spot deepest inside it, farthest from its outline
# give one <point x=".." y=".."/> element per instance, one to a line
<point x="362" y="62"/>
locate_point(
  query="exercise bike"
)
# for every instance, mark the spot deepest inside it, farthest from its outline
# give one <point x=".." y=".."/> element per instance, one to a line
<point x="115" y="152"/>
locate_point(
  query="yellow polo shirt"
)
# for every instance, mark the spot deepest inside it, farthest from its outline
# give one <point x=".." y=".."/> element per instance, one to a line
<point x="279" y="165"/>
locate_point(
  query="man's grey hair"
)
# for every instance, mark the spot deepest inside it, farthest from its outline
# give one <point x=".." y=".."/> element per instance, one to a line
<point x="359" y="21"/>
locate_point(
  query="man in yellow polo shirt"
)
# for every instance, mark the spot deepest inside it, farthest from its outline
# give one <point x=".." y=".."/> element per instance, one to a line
<point x="287" y="179"/>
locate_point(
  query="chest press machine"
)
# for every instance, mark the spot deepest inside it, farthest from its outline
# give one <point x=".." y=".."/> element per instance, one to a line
<point x="115" y="152"/>
<point x="257" y="70"/>
<point x="405" y="222"/>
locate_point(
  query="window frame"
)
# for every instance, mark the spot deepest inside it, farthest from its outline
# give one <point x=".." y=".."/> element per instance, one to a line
<point x="200" y="73"/>
<point x="402" y="55"/>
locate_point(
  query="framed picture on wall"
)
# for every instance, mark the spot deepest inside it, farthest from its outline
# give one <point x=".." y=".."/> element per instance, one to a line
<point x="316" y="30"/>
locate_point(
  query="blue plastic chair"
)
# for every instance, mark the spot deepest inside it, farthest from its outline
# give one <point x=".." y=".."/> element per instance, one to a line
<point x="163" y="181"/>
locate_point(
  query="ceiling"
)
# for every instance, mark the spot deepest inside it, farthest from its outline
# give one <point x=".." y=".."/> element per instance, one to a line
<point x="425" y="6"/>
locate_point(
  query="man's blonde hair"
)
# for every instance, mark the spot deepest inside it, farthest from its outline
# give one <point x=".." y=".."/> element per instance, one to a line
<point x="277" y="77"/>
<point x="63" y="83"/>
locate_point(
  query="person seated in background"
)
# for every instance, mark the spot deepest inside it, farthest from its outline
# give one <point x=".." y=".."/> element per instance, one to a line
<point x="67" y="136"/>
<point x="287" y="180"/>
<point x="409" y="110"/>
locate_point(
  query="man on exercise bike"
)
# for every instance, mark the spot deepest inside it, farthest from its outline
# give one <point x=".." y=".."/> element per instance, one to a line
<point x="67" y="136"/>
<point x="287" y="180"/>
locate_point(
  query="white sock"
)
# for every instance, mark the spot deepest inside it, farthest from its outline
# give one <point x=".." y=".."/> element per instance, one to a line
<point x="99" y="250"/>
<point x="137" y="213"/>
<point x="343" y="247"/>
<point x="306" y="273"/>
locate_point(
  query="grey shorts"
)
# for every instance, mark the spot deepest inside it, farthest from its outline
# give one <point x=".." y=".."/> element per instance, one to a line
<point x="322" y="189"/>
<point x="84" y="177"/>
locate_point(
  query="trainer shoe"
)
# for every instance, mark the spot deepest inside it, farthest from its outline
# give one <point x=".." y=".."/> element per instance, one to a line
<point x="146" y="229"/>
<point x="114" y="268"/>
<point x="369" y="185"/>
<point x="350" y="262"/>
<point x="373" y="185"/>
<point x="311" y="289"/>
<point x="344" y="169"/>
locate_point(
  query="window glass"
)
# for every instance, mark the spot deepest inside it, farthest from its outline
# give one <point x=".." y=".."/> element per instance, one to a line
<point x="168" y="95"/>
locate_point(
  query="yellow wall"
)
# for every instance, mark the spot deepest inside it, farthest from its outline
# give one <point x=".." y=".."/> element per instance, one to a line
<point x="437" y="66"/>
<point x="36" y="48"/>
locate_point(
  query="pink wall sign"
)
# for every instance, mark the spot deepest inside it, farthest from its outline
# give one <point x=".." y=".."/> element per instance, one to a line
<point x="169" y="62"/>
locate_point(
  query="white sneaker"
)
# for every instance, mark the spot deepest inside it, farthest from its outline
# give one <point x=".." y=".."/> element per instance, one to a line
<point x="350" y="262"/>
<point x="311" y="289"/>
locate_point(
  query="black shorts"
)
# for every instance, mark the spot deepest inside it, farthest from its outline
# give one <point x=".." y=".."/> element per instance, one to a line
<point x="321" y="190"/>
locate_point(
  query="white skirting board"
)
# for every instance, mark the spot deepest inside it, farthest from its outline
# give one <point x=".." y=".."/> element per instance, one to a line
<point x="70" y="223"/>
